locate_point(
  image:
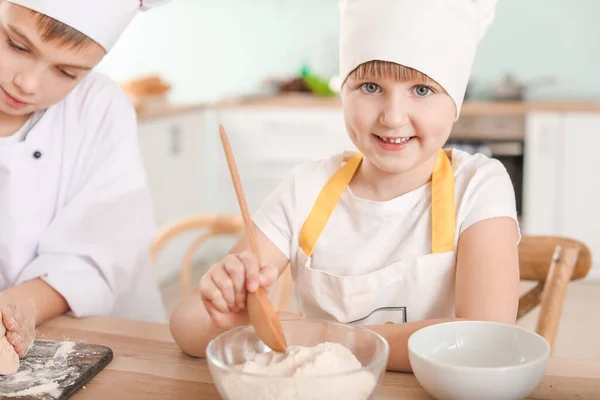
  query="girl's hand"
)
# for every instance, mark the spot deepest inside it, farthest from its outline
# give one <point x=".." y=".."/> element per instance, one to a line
<point x="225" y="286"/>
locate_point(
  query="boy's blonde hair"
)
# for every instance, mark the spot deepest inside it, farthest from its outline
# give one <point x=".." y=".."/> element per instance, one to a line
<point x="52" y="30"/>
<point x="388" y="70"/>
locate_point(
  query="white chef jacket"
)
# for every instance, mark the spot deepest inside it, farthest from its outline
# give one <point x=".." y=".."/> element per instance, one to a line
<point x="75" y="209"/>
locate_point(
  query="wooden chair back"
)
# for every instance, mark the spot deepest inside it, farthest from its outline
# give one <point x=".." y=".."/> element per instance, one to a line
<point x="210" y="226"/>
<point x="552" y="262"/>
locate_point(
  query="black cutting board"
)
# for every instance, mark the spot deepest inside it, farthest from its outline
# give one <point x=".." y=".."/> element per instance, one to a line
<point x="54" y="370"/>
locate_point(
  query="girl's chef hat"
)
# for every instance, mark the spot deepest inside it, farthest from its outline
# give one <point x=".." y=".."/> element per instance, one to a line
<point x="435" y="37"/>
<point x="101" y="20"/>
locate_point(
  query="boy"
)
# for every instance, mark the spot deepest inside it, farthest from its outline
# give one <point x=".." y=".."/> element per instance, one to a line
<point x="403" y="234"/>
<point x="76" y="213"/>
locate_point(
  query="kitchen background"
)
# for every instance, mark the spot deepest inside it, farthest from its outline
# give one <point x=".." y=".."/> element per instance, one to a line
<point x="196" y="63"/>
<point x="209" y="49"/>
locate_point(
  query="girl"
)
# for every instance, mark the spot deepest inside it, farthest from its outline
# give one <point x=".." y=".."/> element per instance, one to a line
<point x="402" y="234"/>
<point x="76" y="214"/>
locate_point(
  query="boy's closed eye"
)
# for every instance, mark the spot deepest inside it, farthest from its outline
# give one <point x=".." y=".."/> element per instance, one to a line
<point x="20" y="49"/>
<point x="66" y="74"/>
<point x="16" y="47"/>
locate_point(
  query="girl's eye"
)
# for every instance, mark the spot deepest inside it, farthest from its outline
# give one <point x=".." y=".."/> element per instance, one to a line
<point x="423" y="91"/>
<point x="370" y="87"/>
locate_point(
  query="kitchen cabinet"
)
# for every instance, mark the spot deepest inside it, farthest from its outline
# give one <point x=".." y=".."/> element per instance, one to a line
<point x="581" y="214"/>
<point x="561" y="184"/>
<point x="172" y="150"/>
<point x="542" y="170"/>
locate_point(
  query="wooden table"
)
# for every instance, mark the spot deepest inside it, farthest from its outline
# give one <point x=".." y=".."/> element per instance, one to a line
<point x="147" y="364"/>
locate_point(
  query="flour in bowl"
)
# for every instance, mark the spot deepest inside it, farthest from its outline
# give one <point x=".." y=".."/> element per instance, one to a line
<point x="289" y="375"/>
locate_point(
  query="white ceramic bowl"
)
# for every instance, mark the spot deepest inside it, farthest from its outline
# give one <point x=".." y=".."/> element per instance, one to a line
<point x="478" y="360"/>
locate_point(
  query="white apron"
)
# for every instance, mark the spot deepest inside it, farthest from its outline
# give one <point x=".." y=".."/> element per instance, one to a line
<point x="407" y="290"/>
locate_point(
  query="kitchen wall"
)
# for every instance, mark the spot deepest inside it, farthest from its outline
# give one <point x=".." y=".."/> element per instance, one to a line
<point x="536" y="38"/>
<point x="209" y="49"/>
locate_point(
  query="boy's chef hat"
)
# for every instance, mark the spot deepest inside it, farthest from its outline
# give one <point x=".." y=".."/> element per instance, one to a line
<point x="435" y="37"/>
<point x="101" y="20"/>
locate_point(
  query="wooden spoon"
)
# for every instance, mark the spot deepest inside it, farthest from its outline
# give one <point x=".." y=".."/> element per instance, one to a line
<point x="260" y="310"/>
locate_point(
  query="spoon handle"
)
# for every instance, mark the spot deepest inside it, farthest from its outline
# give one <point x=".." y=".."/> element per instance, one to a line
<point x="237" y="184"/>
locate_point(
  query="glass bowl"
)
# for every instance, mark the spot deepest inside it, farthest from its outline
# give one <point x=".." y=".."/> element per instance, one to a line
<point x="348" y="381"/>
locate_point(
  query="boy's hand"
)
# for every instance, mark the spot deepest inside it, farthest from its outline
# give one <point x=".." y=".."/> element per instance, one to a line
<point x="226" y="284"/>
<point x="18" y="318"/>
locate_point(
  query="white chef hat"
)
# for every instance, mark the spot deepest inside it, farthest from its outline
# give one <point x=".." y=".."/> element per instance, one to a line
<point x="436" y="37"/>
<point x="101" y="20"/>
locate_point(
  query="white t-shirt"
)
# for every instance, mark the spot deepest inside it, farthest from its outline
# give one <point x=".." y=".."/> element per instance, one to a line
<point x="363" y="236"/>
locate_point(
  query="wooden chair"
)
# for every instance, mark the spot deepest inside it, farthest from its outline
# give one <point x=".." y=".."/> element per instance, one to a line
<point x="212" y="225"/>
<point x="552" y="262"/>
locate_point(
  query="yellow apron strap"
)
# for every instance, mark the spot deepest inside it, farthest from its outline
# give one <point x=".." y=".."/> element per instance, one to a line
<point x="443" y="219"/>
<point x="326" y="202"/>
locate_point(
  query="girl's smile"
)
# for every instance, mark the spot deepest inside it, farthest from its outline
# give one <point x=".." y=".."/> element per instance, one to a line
<point x="391" y="143"/>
